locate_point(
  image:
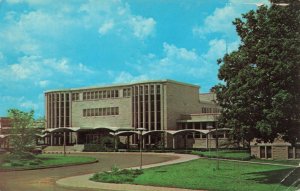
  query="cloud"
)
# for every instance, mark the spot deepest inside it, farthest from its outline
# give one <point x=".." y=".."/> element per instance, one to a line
<point x="176" y="62"/>
<point x="35" y="68"/>
<point x="105" y="27"/>
<point x="219" y="47"/>
<point x="124" y="76"/>
<point x="18" y="102"/>
<point x="220" y="21"/>
<point x="142" y="27"/>
<point x="115" y="17"/>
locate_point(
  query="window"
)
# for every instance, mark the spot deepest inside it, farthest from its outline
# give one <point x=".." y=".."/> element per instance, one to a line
<point x="92" y="95"/>
<point x="108" y="94"/>
<point x="75" y="97"/>
<point x="297" y="152"/>
<point x="158" y="89"/>
<point x="116" y="93"/>
<point x="112" y="93"/>
<point x="197" y="135"/>
<point x="100" y="94"/>
<point x="262" y="152"/>
<point x="269" y="152"/>
<point x="124" y="92"/>
<point x="100" y="111"/>
<point x="290" y="152"/>
<point x="152" y="89"/>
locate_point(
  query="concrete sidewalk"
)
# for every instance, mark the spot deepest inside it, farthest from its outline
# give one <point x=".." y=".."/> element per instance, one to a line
<point x="84" y="182"/>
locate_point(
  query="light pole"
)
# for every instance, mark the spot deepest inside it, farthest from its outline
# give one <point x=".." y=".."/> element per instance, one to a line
<point x="209" y="135"/>
<point x="141" y="142"/>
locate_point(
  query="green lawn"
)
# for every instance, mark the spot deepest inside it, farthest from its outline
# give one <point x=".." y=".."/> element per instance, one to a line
<point x="227" y="154"/>
<point x="232" y="176"/>
<point x="45" y="160"/>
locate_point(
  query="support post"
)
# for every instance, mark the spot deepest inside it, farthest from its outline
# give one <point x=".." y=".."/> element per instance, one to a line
<point x="173" y="141"/>
<point x="51" y="139"/>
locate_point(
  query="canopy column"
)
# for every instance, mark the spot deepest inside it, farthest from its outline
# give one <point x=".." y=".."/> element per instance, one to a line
<point x="173" y="141"/>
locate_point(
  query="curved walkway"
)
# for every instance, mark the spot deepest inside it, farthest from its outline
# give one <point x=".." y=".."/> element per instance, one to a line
<point x="84" y="182"/>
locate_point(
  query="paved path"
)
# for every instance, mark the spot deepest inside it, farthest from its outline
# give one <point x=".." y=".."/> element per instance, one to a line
<point x="44" y="179"/>
<point x="84" y="182"/>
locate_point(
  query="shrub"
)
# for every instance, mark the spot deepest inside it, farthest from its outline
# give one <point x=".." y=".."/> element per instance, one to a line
<point x="117" y="176"/>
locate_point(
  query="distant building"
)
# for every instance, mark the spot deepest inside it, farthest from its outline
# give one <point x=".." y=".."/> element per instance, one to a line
<point x="5" y="126"/>
<point x="279" y="149"/>
<point x="172" y="113"/>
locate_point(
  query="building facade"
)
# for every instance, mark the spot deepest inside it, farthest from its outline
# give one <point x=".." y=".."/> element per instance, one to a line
<point x="163" y="108"/>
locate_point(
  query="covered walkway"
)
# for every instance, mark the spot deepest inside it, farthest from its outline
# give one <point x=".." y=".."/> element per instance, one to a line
<point x="82" y="135"/>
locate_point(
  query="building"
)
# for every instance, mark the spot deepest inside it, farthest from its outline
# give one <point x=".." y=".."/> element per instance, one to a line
<point x="5" y="126"/>
<point x="173" y="114"/>
<point x="279" y="149"/>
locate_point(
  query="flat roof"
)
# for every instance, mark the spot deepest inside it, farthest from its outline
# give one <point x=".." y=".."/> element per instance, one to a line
<point x="123" y="84"/>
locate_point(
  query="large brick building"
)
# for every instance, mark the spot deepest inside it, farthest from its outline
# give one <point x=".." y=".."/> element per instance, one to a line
<point x="172" y="113"/>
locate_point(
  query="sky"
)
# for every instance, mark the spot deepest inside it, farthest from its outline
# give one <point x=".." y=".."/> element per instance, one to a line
<point x="46" y="44"/>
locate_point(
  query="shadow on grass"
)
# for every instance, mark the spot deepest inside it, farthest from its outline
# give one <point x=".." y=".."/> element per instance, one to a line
<point x="286" y="177"/>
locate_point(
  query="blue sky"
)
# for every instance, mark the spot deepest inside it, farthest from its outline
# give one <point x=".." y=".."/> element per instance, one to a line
<point x="46" y="45"/>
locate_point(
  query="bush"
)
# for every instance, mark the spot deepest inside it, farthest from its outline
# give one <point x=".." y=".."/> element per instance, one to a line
<point x="19" y="156"/>
<point x="17" y="163"/>
<point x="117" y="176"/>
<point x="103" y="144"/>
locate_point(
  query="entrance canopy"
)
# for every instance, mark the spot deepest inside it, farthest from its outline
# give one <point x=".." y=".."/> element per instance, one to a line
<point x="81" y="129"/>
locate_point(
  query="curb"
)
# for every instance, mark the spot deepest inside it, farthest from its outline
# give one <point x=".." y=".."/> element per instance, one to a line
<point x="48" y="167"/>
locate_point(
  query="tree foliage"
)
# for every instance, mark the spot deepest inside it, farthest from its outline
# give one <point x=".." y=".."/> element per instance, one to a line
<point x="261" y="93"/>
<point x="22" y="132"/>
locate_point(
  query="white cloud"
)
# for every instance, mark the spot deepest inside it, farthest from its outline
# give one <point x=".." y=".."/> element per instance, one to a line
<point x="176" y="62"/>
<point x="221" y="19"/>
<point x="126" y="77"/>
<point x="19" y="101"/>
<point x="43" y="83"/>
<point x="142" y="27"/>
<point x="36" y="68"/>
<point x="218" y="48"/>
<point x="29" y="105"/>
<point x="106" y="26"/>
<point x="179" y="53"/>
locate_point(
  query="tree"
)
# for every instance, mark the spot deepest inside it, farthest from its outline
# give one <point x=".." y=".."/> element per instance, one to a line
<point x="260" y="95"/>
<point x="22" y="132"/>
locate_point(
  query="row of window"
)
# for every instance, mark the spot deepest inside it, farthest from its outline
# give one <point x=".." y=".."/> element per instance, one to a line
<point x="146" y="89"/>
<point x="104" y="94"/>
<point x="210" y="110"/>
<point x="100" y="111"/>
<point x="100" y="94"/>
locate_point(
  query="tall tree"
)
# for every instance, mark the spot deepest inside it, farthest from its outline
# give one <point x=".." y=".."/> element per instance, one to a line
<point x="260" y="95"/>
<point x="22" y="132"/>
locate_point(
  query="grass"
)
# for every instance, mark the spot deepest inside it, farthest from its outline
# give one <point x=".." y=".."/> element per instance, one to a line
<point x="117" y="176"/>
<point x="242" y="155"/>
<point x="44" y="161"/>
<point x="232" y="176"/>
<point x="226" y="154"/>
